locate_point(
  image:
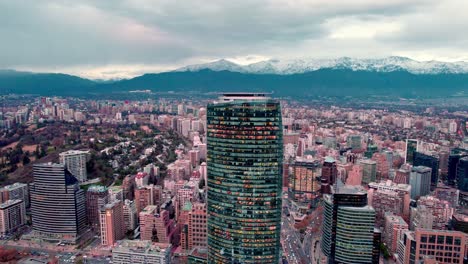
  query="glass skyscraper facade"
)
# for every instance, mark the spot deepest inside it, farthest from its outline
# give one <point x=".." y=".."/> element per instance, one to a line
<point x="244" y="160"/>
<point x="348" y="234"/>
<point x="57" y="204"/>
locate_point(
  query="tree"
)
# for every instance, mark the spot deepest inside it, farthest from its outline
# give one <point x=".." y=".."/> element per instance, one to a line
<point x="26" y="159"/>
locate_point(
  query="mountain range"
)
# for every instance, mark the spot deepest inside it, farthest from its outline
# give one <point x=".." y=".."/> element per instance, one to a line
<point x="393" y="76"/>
<point x="292" y="66"/>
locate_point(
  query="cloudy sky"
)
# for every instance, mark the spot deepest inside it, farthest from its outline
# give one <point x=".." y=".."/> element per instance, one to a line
<point x="123" y="38"/>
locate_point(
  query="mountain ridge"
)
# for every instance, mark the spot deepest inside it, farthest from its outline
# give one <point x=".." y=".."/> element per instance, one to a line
<point x="291" y="66"/>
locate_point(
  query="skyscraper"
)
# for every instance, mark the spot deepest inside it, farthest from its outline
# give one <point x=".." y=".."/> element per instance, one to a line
<point x="420" y="181"/>
<point x="411" y="148"/>
<point x="453" y="159"/>
<point x="57" y="204"/>
<point x="430" y="160"/>
<point x="329" y="174"/>
<point x="462" y="174"/>
<point x="369" y="170"/>
<point x="244" y="179"/>
<point x="348" y="227"/>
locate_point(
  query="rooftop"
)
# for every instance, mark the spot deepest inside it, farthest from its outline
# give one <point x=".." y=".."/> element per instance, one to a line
<point x="141" y="247"/>
<point x="9" y="203"/>
<point x="74" y="152"/>
<point x="97" y="188"/>
<point x="228" y="97"/>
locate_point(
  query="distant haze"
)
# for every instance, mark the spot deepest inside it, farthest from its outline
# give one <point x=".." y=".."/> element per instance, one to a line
<point x="109" y="39"/>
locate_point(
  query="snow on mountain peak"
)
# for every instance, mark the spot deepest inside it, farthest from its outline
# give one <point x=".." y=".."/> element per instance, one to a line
<point x="291" y="66"/>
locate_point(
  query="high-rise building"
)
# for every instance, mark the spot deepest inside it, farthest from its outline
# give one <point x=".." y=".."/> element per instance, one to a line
<point x="425" y="244"/>
<point x="304" y="182"/>
<point x="394" y="228"/>
<point x="57" y="204"/>
<point x="329" y="175"/>
<point x="411" y="148"/>
<point x="75" y="161"/>
<point x="15" y="191"/>
<point x="197" y="226"/>
<point x="96" y="197"/>
<point x="245" y="151"/>
<point x="147" y="195"/>
<point x="112" y="223"/>
<point x="130" y="215"/>
<point x="141" y="252"/>
<point x="348" y="227"/>
<point x="128" y="187"/>
<point x="453" y="159"/>
<point x="392" y="192"/>
<point x="428" y="160"/>
<point x="155" y="225"/>
<point x="12" y="216"/>
<point x="420" y="181"/>
<point x="369" y="170"/>
<point x="354" y="142"/>
<point x="462" y="174"/>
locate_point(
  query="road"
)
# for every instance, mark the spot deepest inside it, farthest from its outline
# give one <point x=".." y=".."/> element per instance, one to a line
<point x="292" y="246"/>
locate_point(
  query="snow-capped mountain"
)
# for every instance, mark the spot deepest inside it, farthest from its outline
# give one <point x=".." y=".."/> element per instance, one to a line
<point x="291" y="66"/>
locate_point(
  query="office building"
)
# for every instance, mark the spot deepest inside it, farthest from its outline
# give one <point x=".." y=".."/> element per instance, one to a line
<point x="411" y="147"/>
<point x="130" y="215"/>
<point x="425" y="244"/>
<point x="12" y="216"/>
<point x="430" y="160"/>
<point x="141" y="252"/>
<point x="462" y="174"/>
<point x="369" y="170"/>
<point x="112" y="223"/>
<point x="75" y="162"/>
<point x="453" y="159"/>
<point x="460" y="222"/>
<point x="57" y="204"/>
<point x="420" y="181"/>
<point x="96" y="197"/>
<point x="354" y="142"/>
<point x="304" y="182"/>
<point x="348" y="234"/>
<point x="245" y="151"/>
<point x="329" y="175"/>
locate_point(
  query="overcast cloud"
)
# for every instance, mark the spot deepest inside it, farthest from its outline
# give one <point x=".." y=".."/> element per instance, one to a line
<point x="123" y="38"/>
